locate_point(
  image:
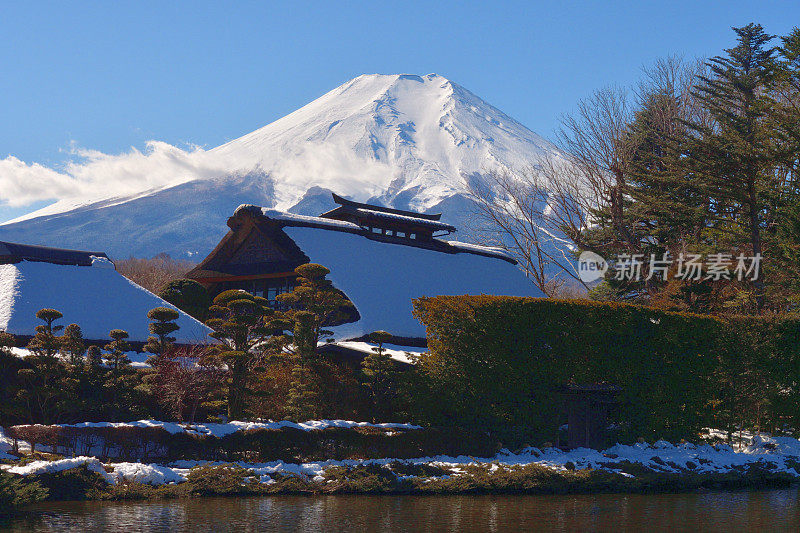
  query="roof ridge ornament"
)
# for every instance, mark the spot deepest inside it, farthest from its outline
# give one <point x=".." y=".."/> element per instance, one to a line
<point x="360" y="205"/>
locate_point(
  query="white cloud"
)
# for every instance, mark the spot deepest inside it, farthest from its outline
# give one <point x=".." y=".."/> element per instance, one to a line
<point x="95" y="175"/>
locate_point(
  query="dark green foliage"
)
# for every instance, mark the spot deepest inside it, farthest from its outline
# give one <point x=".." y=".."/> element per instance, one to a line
<point x="734" y="155"/>
<point x="670" y="365"/>
<point x="74" y="484"/>
<point x="314" y="303"/>
<point x="41" y="391"/>
<point x="10" y="409"/>
<point x="94" y="357"/>
<point x="369" y="478"/>
<point x="162" y="325"/>
<point x="706" y="161"/>
<point x="374" y="478"/>
<point x="225" y="479"/>
<point x="72" y="345"/>
<point x="154" y="444"/>
<point x="16" y="493"/>
<point x="246" y="325"/>
<point x="316" y="294"/>
<point x="45" y="342"/>
<point x="115" y="356"/>
<point x="189" y="296"/>
<point x="302" y="400"/>
<point x="380" y="378"/>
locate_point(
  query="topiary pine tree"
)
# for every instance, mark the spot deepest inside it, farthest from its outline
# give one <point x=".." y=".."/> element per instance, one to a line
<point x="41" y="389"/>
<point x="115" y="350"/>
<point x="302" y="401"/>
<point x="379" y="377"/>
<point x="94" y="357"/>
<point x="72" y="345"/>
<point x="245" y="325"/>
<point x="45" y="342"/>
<point x="189" y="296"/>
<point x="313" y="304"/>
<point x="315" y="293"/>
<point x="163" y="324"/>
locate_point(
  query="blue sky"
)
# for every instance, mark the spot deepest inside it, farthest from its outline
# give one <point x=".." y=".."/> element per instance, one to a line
<point x="110" y="75"/>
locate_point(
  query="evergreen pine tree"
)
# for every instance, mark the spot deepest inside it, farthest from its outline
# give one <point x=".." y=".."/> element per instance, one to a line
<point x="313" y="304"/>
<point x="121" y="380"/>
<point x="72" y="345"/>
<point x="115" y="356"/>
<point x="734" y="155"/>
<point x="243" y="323"/>
<point x="162" y="325"/>
<point x="189" y="296"/>
<point x="94" y="357"/>
<point x="45" y="342"/>
<point x="785" y="102"/>
<point x="379" y="377"/>
<point x="302" y="401"/>
<point x="41" y="383"/>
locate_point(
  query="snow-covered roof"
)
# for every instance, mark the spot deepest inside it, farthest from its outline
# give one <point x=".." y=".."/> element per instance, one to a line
<point x="405" y="218"/>
<point x="290" y="219"/>
<point x="97" y="298"/>
<point x="382" y="278"/>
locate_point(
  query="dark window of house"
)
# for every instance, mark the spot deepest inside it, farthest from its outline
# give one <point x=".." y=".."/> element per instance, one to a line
<point x="275" y="287"/>
<point x="265" y="288"/>
<point x="412" y="235"/>
<point x="401" y="234"/>
<point x="377" y="230"/>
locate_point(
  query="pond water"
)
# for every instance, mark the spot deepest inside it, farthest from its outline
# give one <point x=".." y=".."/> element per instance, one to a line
<point x="769" y="510"/>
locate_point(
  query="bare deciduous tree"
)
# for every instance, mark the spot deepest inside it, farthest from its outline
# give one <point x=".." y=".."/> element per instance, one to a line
<point x="187" y="379"/>
<point x="512" y="214"/>
<point x="541" y="214"/>
<point x="153" y="274"/>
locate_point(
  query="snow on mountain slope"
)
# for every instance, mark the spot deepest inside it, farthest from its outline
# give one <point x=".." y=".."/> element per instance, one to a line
<point x="405" y="141"/>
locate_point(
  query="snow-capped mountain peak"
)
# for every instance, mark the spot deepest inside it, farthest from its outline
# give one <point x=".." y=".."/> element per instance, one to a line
<point x="402" y="140"/>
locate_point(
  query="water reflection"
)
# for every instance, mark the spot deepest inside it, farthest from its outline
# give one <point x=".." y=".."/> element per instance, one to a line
<point x="776" y="510"/>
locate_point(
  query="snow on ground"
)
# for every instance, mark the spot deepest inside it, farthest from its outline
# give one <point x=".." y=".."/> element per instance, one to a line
<point x="51" y="467"/>
<point x="149" y="474"/>
<point x="137" y="358"/>
<point x="776" y="454"/>
<point x="660" y="457"/>
<point x="97" y="299"/>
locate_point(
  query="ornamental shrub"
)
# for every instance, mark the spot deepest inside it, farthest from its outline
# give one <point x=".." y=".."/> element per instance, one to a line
<point x="499" y="363"/>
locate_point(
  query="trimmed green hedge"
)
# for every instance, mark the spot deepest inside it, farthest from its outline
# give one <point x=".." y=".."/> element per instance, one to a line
<point x="147" y="444"/>
<point x="499" y="363"/>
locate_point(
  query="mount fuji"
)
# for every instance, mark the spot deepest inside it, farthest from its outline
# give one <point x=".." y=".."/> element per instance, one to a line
<point x="403" y="141"/>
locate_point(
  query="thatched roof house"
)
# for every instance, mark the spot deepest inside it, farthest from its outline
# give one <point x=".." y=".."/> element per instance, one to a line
<point x="85" y="287"/>
<point x="381" y="259"/>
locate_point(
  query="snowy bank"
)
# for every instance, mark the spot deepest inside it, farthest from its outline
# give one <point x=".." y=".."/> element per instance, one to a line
<point x="221" y="430"/>
<point x="660" y="458"/>
<point x="51" y="467"/>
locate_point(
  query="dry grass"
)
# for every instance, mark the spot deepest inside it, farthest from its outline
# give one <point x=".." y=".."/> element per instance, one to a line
<point x="154" y="273"/>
